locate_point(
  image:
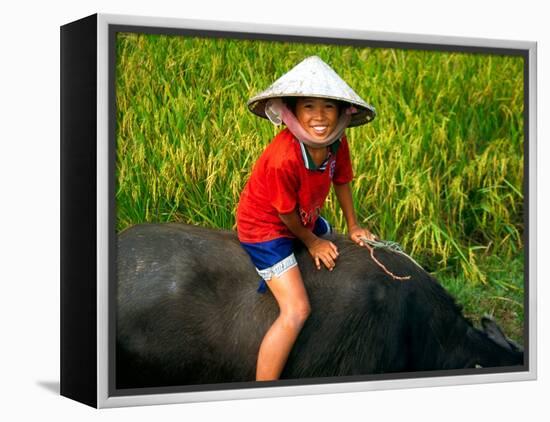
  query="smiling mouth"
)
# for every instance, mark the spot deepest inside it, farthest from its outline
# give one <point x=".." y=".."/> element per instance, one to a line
<point x="319" y="129"/>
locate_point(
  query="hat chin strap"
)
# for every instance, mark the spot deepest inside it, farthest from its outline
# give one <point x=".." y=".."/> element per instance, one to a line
<point x="277" y="112"/>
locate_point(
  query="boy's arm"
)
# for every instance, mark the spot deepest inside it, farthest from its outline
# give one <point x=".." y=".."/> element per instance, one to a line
<point x="343" y="194"/>
<point x="320" y="249"/>
<point x="292" y="221"/>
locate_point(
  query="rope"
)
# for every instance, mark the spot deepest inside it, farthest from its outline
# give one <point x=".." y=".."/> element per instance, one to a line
<point x="388" y="245"/>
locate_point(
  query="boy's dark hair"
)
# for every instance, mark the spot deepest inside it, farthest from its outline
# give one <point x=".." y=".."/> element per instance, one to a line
<point x="290" y="102"/>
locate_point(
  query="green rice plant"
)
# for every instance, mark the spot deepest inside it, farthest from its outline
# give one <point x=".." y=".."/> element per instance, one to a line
<point x="440" y="169"/>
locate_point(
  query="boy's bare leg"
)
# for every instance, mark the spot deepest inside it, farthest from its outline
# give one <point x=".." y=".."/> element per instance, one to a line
<point x="291" y="295"/>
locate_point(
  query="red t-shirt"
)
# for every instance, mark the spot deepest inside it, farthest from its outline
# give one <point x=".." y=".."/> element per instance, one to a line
<point x="281" y="183"/>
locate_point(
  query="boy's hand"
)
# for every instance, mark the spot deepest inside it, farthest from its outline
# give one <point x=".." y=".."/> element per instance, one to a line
<point x="323" y="251"/>
<point x="356" y="233"/>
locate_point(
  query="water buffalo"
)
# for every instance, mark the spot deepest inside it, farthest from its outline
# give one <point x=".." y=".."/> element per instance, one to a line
<point x="188" y="313"/>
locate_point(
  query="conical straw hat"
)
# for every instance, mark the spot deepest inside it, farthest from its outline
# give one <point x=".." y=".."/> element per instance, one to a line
<point x="313" y="78"/>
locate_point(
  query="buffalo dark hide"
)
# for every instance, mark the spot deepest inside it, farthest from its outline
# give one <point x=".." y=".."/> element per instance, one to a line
<point x="188" y="313"/>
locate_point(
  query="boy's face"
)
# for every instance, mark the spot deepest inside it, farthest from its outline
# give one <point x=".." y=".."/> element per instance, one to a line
<point x="318" y="116"/>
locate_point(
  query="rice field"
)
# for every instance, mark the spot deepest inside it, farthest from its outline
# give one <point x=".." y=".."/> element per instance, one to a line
<point x="440" y="169"/>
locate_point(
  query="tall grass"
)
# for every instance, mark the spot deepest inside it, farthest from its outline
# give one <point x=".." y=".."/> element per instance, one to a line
<point x="440" y="170"/>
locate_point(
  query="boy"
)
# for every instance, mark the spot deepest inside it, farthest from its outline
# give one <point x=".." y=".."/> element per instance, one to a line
<point x="287" y="188"/>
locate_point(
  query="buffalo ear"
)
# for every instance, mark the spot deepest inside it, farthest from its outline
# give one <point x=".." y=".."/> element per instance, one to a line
<point x="495" y="333"/>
